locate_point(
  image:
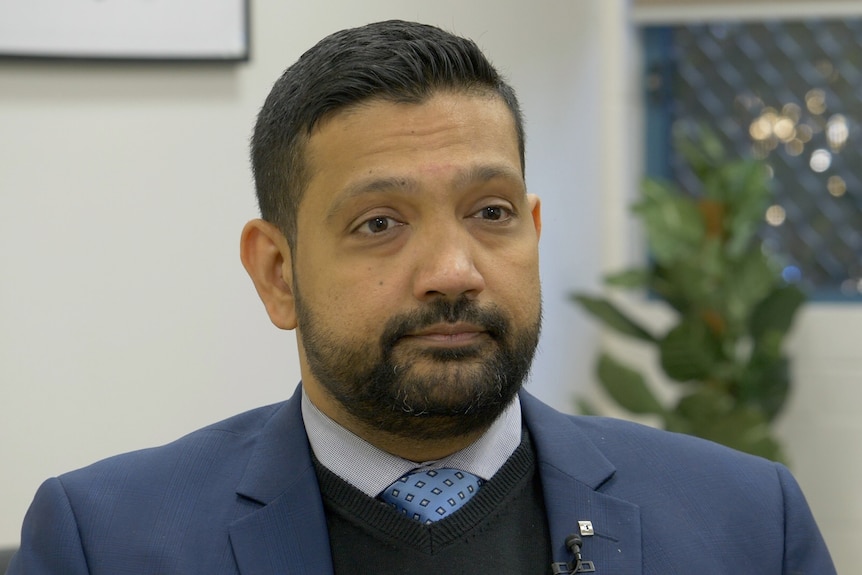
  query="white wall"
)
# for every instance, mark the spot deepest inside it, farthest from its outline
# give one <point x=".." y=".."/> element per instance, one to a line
<point x="127" y="320"/>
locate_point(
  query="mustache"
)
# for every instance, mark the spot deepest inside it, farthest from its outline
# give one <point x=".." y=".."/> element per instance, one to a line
<point x="490" y="319"/>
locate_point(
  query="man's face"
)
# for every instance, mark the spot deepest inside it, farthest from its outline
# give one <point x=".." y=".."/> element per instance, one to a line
<point x="415" y="269"/>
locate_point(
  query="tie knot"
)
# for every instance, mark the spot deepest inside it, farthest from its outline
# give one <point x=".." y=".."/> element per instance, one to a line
<point x="430" y="495"/>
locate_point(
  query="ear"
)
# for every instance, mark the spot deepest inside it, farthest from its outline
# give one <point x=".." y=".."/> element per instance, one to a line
<point x="536" y="210"/>
<point x="265" y="255"/>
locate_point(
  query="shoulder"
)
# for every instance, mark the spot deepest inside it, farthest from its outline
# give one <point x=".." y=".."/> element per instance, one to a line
<point x="623" y="440"/>
<point x="624" y="444"/>
<point x="122" y="507"/>
<point x="629" y="459"/>
<point x="220" y="450"/>
<point x="672" y="476"/>
<point x="646" y="453"/>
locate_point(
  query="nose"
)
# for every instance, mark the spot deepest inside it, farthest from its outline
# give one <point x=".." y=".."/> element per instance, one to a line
<point x="445" y="265"/>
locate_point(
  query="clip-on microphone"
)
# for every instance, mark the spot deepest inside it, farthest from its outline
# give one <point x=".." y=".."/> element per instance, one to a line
<point x="573" y="543"/>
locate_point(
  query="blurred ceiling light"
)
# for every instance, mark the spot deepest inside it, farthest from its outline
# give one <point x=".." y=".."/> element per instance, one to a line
<point x="792" y="111"/>
<point x="821" y="160"/>
<point x="760" y="129"/>
<point x="791" y="274"/>
<point x="785" y="129"/>
<point x="794" y="147"/>
<point x="836" y="186"/>
<point x="815" y="101"/>
<point x="775" y="215"/>
<point x="770" y="126"/>
<point x="825" y="67"/>
<point x="837" y="132"/>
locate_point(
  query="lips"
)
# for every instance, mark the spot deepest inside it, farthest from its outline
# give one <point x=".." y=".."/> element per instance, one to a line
<point x="448" y="333"/>
<point x="448" y="329"/>
<point x="446" y="325"/>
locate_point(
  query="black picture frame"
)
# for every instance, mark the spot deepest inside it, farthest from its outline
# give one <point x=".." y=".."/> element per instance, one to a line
<point x="126" y="30"/>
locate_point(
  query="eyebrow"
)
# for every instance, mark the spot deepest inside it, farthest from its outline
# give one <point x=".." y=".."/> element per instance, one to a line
<point x="480" y="174"/>
<point x="473" y="175"/>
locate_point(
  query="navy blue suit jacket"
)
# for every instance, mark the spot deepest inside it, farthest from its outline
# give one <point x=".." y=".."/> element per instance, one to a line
<point x="241" y="497"/>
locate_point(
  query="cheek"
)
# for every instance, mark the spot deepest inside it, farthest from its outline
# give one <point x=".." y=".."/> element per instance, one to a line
<point x="368" y="282"/>
<point x="355" y="300"/>
<point x="516" y="282"/>
<point x="514" y="267"/>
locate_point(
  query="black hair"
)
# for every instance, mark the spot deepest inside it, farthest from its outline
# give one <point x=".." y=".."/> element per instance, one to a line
<point x="393" y="60"/>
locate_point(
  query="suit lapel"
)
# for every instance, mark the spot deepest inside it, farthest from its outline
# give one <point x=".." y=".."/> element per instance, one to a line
<point x="287" y="534"/>
<point x="573" y="472"/>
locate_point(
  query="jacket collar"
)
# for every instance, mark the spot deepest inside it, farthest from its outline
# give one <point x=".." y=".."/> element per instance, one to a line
<point x="286" y="531"/>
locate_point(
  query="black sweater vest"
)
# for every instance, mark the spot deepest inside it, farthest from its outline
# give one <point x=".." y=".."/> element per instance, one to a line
<point x="502" y="529"/>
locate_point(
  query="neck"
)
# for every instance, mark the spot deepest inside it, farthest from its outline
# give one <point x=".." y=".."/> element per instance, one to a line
<point x="412" y="449"/>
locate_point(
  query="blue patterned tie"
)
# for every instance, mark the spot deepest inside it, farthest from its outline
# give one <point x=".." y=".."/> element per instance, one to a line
<point x="431" y="495"/>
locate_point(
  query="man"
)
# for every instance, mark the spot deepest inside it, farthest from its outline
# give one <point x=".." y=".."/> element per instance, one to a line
<point x="399" y="241"/>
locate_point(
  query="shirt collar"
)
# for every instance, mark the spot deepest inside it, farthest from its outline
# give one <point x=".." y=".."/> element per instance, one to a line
<point x="371" y="469"/>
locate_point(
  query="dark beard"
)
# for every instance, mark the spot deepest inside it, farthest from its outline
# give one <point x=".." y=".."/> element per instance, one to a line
<point x="373" y="382"/>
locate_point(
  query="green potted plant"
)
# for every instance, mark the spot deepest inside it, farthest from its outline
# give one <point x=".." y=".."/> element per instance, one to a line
<point x="725" y="349"/>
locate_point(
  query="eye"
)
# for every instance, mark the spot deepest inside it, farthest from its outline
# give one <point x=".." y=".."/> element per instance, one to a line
<point x="377" y="225"/>
<point x="494" y="213"/>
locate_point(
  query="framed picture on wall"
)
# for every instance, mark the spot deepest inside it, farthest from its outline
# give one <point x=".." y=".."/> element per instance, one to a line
<point x="216" y="30"/>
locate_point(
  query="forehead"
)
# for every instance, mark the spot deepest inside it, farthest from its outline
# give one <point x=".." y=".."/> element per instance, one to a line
<point x="449" y="131"/>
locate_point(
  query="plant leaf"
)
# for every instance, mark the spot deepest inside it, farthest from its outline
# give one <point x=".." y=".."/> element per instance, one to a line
<point x="765" y="383"/>
<point x="632" y="278"/>
<point x="776" y="311"/>
<point x="714" y="416"/>
<point x="750" y="280"/>
<point x="703" y="405"/>
<point x="689" y="351"/>
<point x="674" y="225"/>
<point x="626" y="386"/>
<point x="700" y="146"/>
<point x="611" y="316"/>
<point x="585" y="407"/>
<point x="747" y="192"/>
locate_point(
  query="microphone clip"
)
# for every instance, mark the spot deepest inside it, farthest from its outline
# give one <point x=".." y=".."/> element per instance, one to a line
<point x="570" y="569"/>
<point x="573" y="543"/>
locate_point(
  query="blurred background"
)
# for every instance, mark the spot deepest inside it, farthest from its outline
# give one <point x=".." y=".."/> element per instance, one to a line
<point x="126" y="319"/>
